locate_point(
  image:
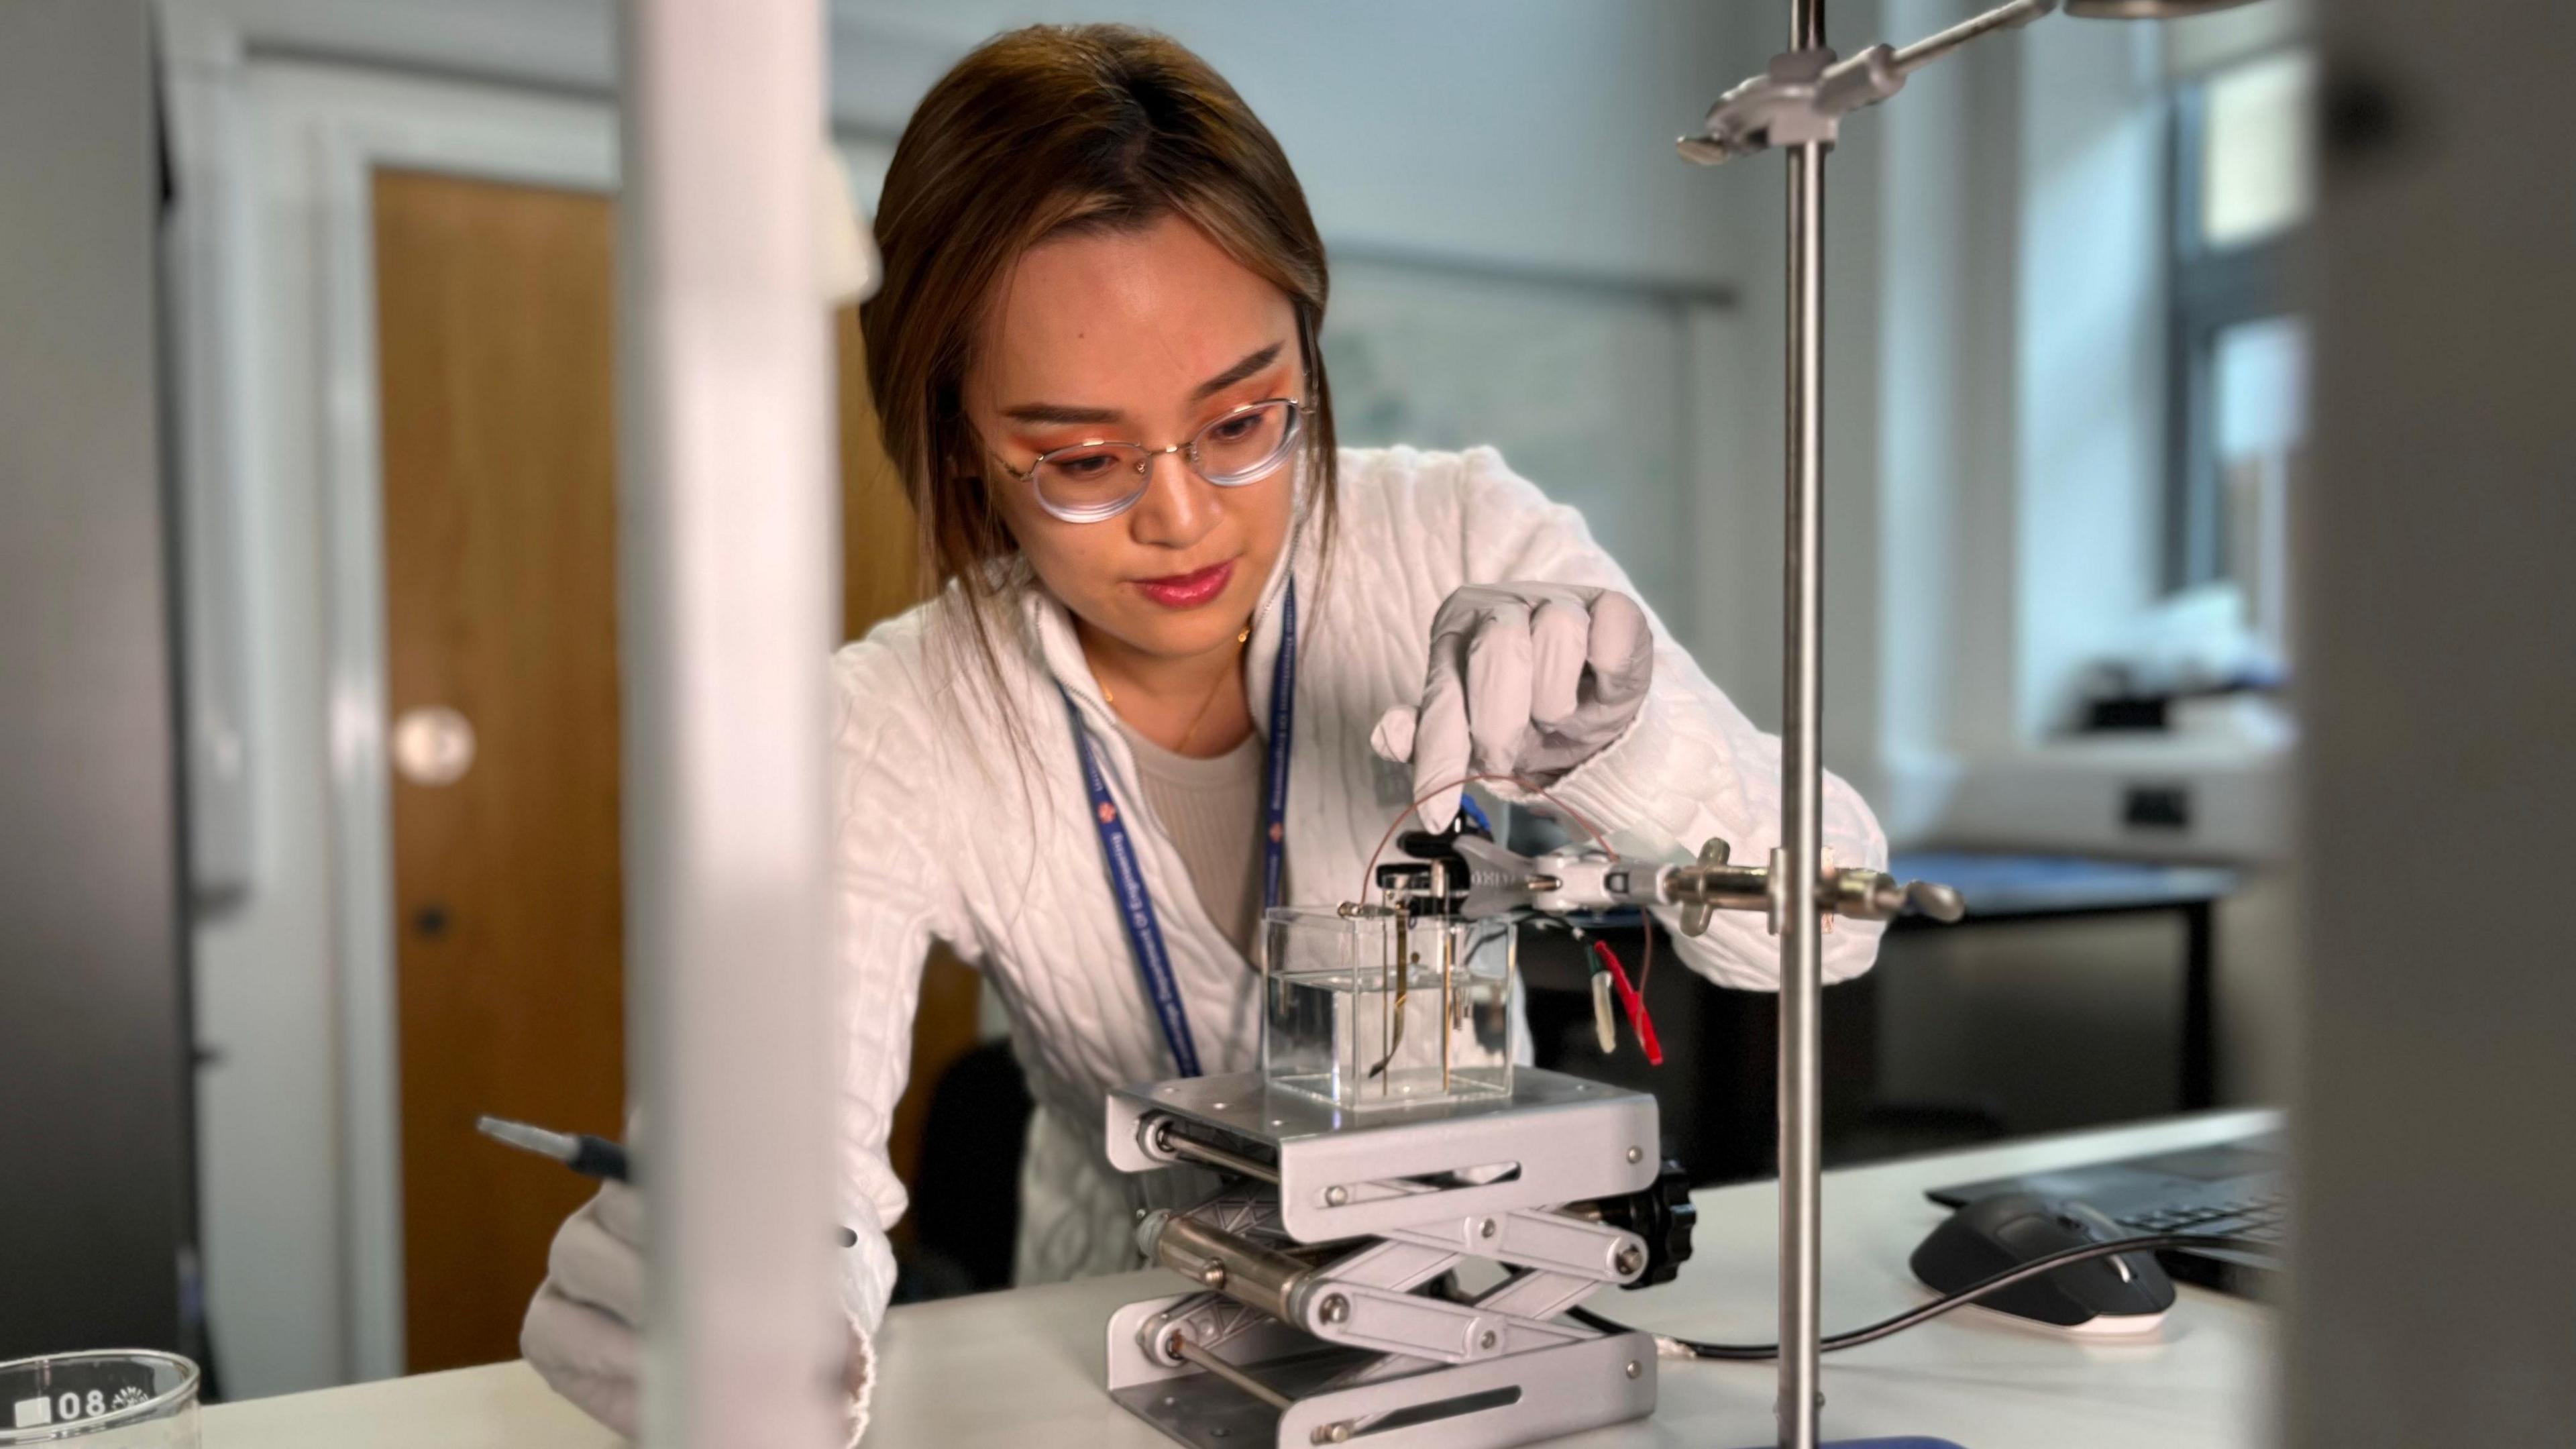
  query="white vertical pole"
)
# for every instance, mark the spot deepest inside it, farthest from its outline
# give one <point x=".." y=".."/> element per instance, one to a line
<point x="728" y="531"/>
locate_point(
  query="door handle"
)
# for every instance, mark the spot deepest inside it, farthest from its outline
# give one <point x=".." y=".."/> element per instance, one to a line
<point x="433" y="745"/>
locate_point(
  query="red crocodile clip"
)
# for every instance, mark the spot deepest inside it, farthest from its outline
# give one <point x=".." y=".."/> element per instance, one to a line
<point x="1634" y="1004"/>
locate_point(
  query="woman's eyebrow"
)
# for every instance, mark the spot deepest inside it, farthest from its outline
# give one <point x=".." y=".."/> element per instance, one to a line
<point x="1252" y="362"/>
<point x="1045" y="414"/>
<point x="1049" y="414"/>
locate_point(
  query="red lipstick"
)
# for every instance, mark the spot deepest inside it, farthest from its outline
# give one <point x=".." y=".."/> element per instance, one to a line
<point x="1190" y="590"/>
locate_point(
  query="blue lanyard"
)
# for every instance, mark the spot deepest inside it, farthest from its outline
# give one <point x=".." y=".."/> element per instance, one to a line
<point x="1127" y="881"/>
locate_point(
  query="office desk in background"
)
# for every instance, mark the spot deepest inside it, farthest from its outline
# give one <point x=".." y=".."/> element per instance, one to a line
<point x="2003" y="889"/>
<point x="1023" y="1368"/>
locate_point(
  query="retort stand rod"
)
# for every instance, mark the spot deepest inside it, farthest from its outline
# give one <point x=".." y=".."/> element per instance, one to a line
<point x="1801" y="795"/>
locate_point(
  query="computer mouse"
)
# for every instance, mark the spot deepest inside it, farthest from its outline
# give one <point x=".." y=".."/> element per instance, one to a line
<point x="2122" y="1294"/>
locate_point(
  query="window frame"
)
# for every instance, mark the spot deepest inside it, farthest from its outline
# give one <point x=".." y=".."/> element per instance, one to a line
<point x="2208" y="290"/>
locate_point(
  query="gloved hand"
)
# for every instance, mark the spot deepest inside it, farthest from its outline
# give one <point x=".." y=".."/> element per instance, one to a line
<point x="584" y="1328"/>
<point x="1525" y="679"/>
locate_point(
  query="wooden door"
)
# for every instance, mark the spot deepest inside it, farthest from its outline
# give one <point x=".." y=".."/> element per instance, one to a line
<point x="494" y="313"/>
<point x="495" y="322"/>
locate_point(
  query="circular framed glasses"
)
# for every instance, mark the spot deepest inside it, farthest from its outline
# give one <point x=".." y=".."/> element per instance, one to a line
<point x="1087" y="482"/>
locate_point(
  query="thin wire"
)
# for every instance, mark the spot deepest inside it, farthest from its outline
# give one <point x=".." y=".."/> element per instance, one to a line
<point x="1693" y="1348"/>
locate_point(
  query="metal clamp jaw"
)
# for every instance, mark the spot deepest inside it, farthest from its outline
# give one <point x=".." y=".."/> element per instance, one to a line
<point x="1802" y="96"/>
<point x="1477" y="877"/>
<point x="1713" y="883"/>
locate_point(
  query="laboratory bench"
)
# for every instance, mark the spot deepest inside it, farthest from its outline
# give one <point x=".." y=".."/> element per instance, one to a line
<point x="1025" y="1367"/>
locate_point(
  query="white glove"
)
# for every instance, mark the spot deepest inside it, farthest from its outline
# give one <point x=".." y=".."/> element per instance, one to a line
<point x="583" y="1331"/>
<point x="1525" y="679"/>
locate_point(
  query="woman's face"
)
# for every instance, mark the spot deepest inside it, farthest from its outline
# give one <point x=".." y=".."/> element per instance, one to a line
<point x="1139" y="336"/>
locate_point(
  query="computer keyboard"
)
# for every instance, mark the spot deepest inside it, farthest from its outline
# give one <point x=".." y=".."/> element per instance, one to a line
<point x="2258" y="1217"/>
<point x="2229" y="1189"/>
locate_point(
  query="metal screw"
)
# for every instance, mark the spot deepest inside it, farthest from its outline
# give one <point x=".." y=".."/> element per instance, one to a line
<point x="1337" y="1309"/>
<point x="1218" y="1431"/>
<point x="1171" y="1399"/>
<point x="1489" y="1340"/>
<point x="1336" y="1196"/>
<point x="1636" y="1154"/>
<point x="1636" y="1370"/>
<point x="1333" y="1433"/>
<point x="1631" y="1258"/>
<point x="1216" y="1106"/>
<point x="1489" y="1229"/>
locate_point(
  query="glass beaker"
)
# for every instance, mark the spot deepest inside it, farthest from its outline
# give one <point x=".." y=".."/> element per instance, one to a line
<point x="110" y="1399"/>
<point x="1373" y="1009"/>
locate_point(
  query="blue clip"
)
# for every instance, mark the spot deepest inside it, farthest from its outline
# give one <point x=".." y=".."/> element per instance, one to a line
<point x="1475" y="814"/>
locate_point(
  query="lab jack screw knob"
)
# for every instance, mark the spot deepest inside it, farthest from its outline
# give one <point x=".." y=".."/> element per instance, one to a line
<point x="1662" y="1215"/>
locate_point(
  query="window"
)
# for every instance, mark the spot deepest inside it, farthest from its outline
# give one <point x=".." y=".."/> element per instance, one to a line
<point x="2243" y="148"/>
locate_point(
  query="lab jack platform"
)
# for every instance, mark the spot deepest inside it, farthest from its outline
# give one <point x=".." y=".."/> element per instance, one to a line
<point x="1323" y="1312"/>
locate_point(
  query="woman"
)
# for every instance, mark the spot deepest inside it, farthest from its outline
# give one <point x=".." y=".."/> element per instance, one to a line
<point x="1095" y="359"/>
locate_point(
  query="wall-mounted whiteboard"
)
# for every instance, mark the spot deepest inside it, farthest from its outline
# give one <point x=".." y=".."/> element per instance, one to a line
<point x="1586" y="388"/>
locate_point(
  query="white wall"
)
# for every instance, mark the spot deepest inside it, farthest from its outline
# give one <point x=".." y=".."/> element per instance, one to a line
<point x="269" y="1102"/>
<point x="1522" y="132"/>
<point x="2092" y="304"/>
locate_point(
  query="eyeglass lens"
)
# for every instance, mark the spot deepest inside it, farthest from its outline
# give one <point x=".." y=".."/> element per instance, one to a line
<point x="1233" y="450"/>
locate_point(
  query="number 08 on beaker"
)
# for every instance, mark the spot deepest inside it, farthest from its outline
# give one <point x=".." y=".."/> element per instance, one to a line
<point x="117" y="1399"/>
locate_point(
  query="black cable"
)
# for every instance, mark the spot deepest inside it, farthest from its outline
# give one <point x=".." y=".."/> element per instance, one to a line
<point x="1938" y="1306"/>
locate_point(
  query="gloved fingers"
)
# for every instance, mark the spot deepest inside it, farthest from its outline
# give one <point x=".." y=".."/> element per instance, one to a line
<point x="585" y="1355"/>
<point x="1498" y="685"/>
<point x="596" y="1268"/>
<point x="1621" y="666"/>
<point x="1393" y="737"/>
<point x="1622" y="649"/>
<point x="1560" y="639"/>
<point x="1440" y="739"/>
<point x="620" y="1209"/>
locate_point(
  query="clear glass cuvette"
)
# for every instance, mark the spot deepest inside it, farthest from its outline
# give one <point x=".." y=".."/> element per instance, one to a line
<point x="1372" y="1010"/>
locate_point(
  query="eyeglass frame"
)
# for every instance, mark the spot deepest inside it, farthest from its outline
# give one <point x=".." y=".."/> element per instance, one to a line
<point x="1187" y="449"/>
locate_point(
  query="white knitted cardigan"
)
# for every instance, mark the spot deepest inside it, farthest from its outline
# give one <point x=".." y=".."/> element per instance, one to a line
<point x="958" y="825"/>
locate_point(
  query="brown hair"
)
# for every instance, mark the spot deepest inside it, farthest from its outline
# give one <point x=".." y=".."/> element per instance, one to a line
<point x="1036" y="132"/>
